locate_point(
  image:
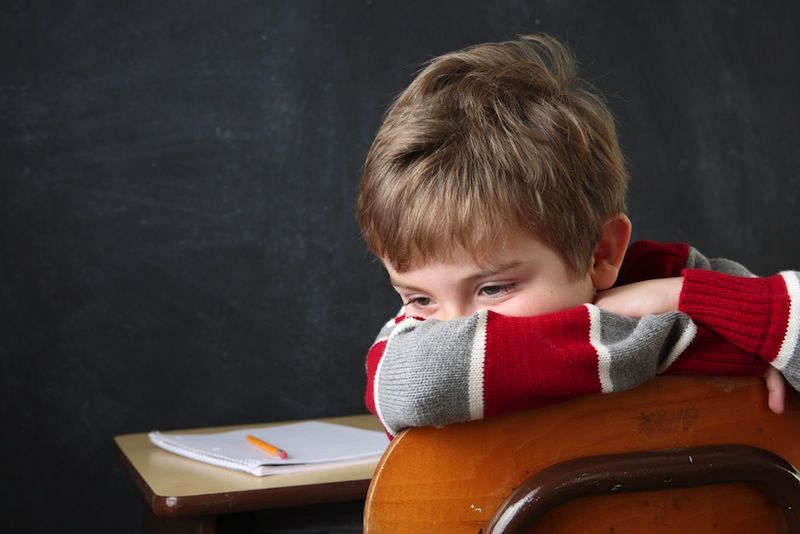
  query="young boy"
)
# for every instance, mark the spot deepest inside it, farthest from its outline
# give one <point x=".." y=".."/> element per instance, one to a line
<point x="494" y="194"/>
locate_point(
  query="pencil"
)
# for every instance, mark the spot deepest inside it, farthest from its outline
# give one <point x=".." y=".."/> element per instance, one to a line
<point x="268" y="447"/>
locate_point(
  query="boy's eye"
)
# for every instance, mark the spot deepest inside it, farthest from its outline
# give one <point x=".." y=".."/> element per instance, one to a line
<point x="496" y="290"/>
<point x="418" y="301"/>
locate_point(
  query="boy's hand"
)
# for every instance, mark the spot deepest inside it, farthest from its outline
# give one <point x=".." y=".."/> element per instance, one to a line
<point x="641" y="298"/>
<point x="776" y="386"/>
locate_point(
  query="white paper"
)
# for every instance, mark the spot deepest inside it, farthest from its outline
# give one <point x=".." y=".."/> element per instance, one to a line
<point x="309" y="445"/>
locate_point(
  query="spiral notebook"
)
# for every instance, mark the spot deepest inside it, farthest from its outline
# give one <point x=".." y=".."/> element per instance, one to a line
<point x="310" y="445"/>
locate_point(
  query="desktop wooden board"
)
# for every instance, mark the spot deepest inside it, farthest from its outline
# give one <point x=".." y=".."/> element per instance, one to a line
<point x="174" y="486"/>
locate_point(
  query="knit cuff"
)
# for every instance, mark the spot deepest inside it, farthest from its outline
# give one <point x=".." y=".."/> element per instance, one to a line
<point x="751" y="313"/>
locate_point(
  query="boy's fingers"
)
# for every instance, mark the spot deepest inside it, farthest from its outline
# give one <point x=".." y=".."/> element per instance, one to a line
<point x="777" y="390"/>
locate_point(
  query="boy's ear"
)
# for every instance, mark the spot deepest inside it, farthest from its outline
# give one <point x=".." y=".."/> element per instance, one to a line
<point x="610" y="251"/>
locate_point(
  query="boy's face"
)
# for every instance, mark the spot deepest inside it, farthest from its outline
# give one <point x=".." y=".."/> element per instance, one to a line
<point x="529" y="278"/>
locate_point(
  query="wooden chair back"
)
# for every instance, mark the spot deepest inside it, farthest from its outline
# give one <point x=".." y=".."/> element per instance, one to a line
<point x="454" y="479"/>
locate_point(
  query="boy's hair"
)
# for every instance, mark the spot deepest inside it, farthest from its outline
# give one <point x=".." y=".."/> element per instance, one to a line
<point x="492" y="139"/>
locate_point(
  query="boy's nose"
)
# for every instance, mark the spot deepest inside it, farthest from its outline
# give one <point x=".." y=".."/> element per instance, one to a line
<point x="454" y="311"/>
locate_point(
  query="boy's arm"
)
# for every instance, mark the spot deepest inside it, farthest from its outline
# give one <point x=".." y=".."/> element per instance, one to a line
<point x="440" y="372"/>
<point x="651" y="277"/>
<point x="720" y="295"/>
<point x="758" y="315"/>
<point x="751" y="314"/>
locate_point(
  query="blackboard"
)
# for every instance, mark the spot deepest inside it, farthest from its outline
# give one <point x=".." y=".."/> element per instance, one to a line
<point x="177" y="240"/>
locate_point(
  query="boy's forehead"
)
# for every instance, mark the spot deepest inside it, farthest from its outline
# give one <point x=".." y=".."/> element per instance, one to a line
<point x="502" y="254"/>
<point x="454" y="256"/>
<point x="460" y="269"/>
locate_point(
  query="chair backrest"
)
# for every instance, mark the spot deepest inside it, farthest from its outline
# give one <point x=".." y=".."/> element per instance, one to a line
<point x="456" y="478"/>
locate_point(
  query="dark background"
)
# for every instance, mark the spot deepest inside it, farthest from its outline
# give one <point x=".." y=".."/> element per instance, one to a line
<point x="177" y="240"/>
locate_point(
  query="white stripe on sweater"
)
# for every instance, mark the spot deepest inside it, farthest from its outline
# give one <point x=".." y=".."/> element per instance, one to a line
<point x="476" y="362"/>
<point x="406" y="324"/>
<point x="789" y="342"/>
<point x="388" y="326"/>
<point x="603" y="355"/>
<point x="687" y="336"/>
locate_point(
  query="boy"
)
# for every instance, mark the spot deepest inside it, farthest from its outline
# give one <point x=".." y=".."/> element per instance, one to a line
<point x="494" y="194"/>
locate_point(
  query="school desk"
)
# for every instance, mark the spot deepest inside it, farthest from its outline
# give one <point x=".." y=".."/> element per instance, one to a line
<point x="182" y="495"/>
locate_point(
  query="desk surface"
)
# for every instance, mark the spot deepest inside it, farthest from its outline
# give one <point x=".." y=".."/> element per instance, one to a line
<point x="174" y="486"/>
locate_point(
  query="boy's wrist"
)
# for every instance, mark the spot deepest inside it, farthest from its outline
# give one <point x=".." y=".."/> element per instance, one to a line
<point x="638" y="299"/>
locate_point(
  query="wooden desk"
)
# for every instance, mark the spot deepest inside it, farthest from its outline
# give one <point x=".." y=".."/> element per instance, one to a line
<point x="183" y="495"/>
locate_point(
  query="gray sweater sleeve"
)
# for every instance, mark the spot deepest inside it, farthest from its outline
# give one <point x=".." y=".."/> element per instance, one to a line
<point x="440" y="372"/>
<point x="697" y="260"/>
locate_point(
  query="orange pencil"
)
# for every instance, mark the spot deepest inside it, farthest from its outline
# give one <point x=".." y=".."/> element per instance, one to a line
<point x="268" y="447"/>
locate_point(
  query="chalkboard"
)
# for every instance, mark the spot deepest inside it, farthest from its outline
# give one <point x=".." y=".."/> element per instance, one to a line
<point x="177" y="239"/>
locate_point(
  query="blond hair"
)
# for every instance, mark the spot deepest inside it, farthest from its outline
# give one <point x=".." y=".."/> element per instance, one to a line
<point x="495" y="138"/>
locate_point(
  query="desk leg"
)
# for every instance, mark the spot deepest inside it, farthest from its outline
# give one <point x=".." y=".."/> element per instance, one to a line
<point x="153" y="524"/>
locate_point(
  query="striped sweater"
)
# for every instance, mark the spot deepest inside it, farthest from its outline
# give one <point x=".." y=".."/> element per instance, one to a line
<point x="431" y="372"/>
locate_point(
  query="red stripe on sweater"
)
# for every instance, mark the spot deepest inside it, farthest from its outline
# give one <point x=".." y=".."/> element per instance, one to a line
<point x="711" y="355"/>
<point x="373" y="359"/>
<point x="563" y="364"/>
